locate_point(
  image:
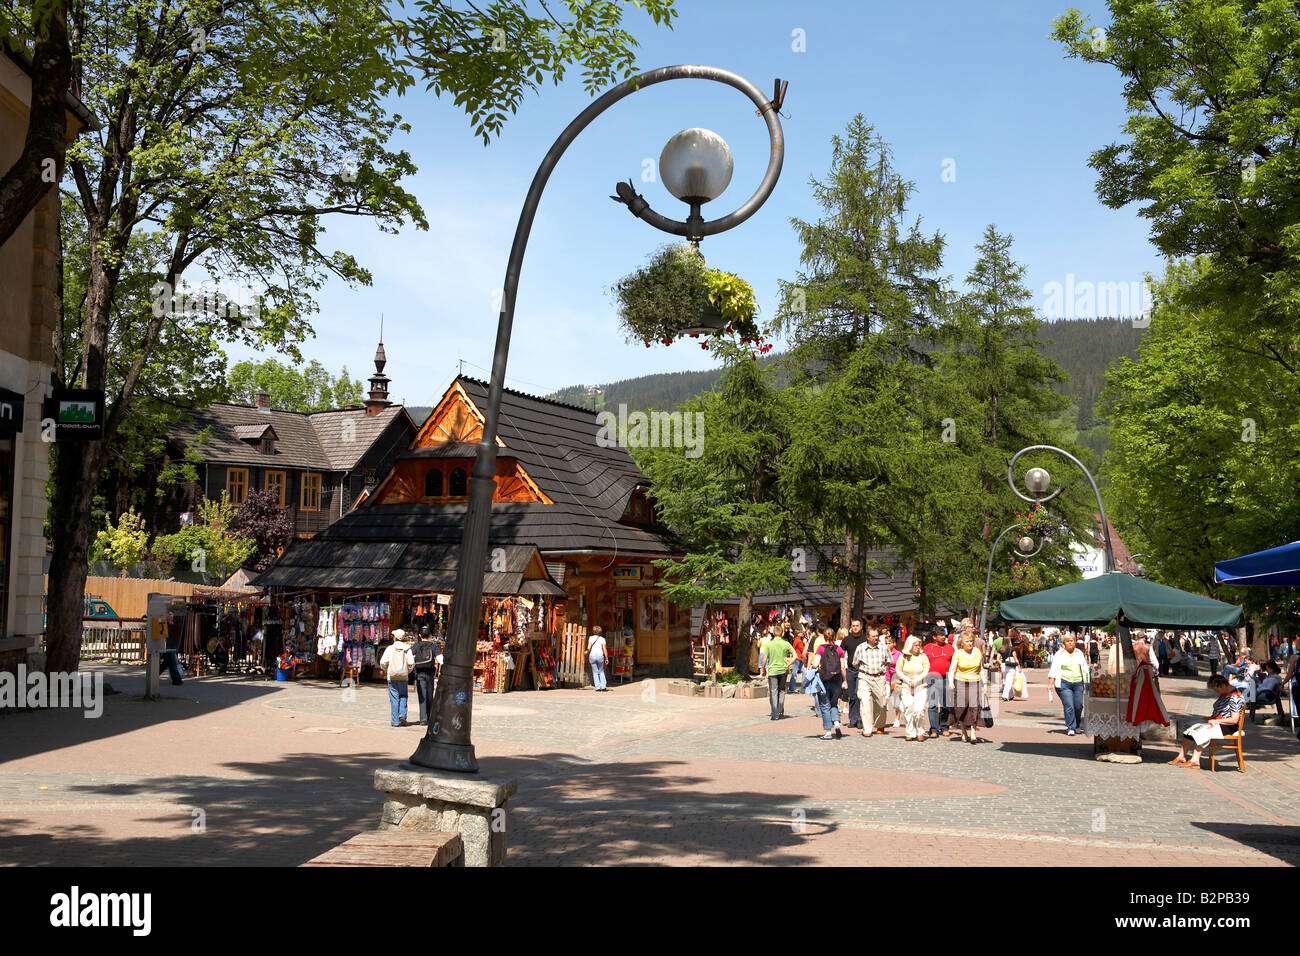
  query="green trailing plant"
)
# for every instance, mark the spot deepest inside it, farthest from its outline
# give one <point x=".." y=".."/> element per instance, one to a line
<point x="676" y="291"/>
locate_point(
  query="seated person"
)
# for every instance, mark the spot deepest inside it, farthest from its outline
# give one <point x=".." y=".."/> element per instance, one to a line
<point x="1269" y="690"/>
<point x="1227" y="710"/>
<point x="218" y="656"/>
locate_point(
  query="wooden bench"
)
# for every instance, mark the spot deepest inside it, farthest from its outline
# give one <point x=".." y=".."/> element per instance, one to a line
<point x="396" y="848"/>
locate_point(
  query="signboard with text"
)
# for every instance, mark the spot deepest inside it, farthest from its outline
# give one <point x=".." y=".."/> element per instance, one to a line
<point x="77" y="413"/>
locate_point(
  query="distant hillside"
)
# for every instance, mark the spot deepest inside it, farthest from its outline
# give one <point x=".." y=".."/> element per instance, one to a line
<point x="1084" y="348"/>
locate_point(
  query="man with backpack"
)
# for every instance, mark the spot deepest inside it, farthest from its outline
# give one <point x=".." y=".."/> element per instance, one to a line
<point x="423" y="652"/>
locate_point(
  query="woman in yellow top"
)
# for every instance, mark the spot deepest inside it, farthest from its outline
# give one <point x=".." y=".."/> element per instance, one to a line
<point x="911" y="671"/>
<point x="965" y="674"/>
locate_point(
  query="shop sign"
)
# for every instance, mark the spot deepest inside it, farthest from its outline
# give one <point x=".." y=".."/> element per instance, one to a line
<point x="630" y="574"/>
<point x="77" y="414"/>
<point x="11" y="412"/>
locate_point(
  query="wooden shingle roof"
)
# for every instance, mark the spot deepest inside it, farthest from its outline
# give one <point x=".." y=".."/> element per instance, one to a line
<point x="320" y="441"/>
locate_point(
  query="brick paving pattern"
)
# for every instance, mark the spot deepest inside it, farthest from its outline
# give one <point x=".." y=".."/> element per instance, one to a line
<point x="234" y="771"/>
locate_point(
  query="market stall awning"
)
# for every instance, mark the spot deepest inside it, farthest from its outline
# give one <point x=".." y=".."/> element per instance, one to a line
<point x="1275" y="568"/>
<point x="331" y="564"/>
<point x="1104" y="598"/>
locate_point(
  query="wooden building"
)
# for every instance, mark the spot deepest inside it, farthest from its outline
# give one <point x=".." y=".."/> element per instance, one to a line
<point x="319" y="464"/>
<point x="587" y="508"/>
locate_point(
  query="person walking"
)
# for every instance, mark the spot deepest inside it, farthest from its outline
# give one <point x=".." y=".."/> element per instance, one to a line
<point x="939" y="690"/>
<point x="872" y="661"/>
<point x="794" y="682"/>
<point x="1068" y="673"/>
<point x="911" y="671"/>
<point x="966" y="674"/>
<point x="894" y="702"/>
<point x="596" y="655"/>
<point x="851" y="642"/>
<point x="1010" y="668"/>
<point x="779" y="653"/>
<point x="397" y="663"/>
<point x="828" y="661"/>
<point x="424" y="652"/>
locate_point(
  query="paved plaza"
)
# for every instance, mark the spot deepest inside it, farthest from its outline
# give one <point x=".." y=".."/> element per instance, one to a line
<point x="242" y="771"/>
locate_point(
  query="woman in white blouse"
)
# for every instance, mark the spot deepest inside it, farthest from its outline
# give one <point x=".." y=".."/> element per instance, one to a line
<point x="1069" y="672"/>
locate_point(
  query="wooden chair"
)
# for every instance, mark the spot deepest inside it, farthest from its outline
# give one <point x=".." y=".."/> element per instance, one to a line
<point x="1232" y="742"/>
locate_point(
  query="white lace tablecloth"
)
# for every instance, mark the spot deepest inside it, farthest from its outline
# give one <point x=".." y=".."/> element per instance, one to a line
<point x="1100" y="719"/>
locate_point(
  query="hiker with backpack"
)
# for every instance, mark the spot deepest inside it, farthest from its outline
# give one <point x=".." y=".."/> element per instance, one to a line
<point x="828" y="663"/>
<point x="424" y="652"/>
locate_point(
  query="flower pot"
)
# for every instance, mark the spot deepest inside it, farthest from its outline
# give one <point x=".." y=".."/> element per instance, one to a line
<point x="709" y="322"/>
<point x="281" y="674"/>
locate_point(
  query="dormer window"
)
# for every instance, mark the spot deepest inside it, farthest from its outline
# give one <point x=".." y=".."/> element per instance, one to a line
<point x="261" y="436"/>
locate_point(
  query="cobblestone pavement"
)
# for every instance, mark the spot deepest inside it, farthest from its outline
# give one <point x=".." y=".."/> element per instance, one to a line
<point x="240" y="771"/>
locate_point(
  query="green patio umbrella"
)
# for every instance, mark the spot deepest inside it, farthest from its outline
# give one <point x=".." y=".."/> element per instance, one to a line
<point x="1134" y="602"/>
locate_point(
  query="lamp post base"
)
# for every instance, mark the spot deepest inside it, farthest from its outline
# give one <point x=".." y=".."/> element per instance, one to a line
<point x="444" y="756"/>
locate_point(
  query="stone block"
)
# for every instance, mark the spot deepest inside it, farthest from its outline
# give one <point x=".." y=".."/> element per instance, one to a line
<point x="422" y="817"/>
<point x="428" y="800"/>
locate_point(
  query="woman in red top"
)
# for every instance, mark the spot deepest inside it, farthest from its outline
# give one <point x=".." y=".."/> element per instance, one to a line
<point x="796" y="662"/>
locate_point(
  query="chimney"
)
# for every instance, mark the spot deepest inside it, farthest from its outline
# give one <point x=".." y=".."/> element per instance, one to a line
<point x="262" y="401"/>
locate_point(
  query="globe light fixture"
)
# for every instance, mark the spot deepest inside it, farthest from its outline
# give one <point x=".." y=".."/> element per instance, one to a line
<point x="1037" y="480"/>
<point x="696" y="165"/>
<point x="1025" y="544"/>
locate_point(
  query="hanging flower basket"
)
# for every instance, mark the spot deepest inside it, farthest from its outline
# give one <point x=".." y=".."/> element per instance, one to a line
<point x="676" y="294"/>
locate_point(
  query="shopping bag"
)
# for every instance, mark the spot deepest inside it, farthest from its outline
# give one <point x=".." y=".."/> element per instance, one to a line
<point x="986" y="715"/>
<point x="1018" y="685"/>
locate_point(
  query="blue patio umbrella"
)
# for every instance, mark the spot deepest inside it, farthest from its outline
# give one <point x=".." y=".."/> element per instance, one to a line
<point x="1275" y="568"/>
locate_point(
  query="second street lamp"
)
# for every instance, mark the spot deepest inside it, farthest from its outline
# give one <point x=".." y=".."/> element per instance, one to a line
<point x="700" y="165"/>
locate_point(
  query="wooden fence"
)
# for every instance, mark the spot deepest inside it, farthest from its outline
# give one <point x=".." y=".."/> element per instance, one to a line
<point x="124" y="644"/>
<point x="129" y="597"/>
<point x="572" y="665"/>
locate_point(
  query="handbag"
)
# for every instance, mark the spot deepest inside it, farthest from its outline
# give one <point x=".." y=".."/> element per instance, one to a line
<point x="986" y="712"/>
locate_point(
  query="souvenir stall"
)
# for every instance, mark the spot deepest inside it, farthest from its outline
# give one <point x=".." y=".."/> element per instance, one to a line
<point x="707" y="649"/>
<point x="1123" y="698"/>
<point x="515" y="645"/>
<point x="339" y="602"/>
<point x="219" y="630"/>
<point x="348" y="637"/>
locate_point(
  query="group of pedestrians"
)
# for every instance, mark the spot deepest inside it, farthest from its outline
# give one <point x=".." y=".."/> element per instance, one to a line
<point x="933" y="689"/>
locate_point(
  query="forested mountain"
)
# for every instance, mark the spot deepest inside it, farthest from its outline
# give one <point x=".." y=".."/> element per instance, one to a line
<point x="1084" y="348"/>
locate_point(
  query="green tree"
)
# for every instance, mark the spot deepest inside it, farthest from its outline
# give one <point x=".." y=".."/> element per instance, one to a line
<point x="486" y="60"/>
<point x="1203" y="462"/>
<point x="213" y="545"/>
<point x="1211" y="150"/>
<point x="125" y="544"/>
<point x="726" y="504"/>
<point x="863" y="311"/>
<point x="237" y="129"/>
<point x="1001" y="382"/>
<point x="309" y="389"/>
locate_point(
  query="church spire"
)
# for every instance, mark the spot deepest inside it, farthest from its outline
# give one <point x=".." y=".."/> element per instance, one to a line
<point x="378" y="399"/>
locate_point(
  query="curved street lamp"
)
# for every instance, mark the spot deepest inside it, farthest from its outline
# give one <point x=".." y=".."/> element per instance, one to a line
<point x="1022" y="548"/>
<point x="1038" y="481"/>
<point x="698" y="165"/>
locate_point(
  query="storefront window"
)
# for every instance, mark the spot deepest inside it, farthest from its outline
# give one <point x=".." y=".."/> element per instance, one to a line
<point x="6" y="522"/>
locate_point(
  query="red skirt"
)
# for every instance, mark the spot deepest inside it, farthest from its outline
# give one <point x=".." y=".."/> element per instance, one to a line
<point x="1144" y="703"/>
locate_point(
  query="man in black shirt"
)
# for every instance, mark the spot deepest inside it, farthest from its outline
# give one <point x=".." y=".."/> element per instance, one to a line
<point x="850" y="644"/>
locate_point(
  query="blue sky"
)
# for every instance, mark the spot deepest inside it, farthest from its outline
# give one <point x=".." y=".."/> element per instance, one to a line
<point x="977" y="83"/>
